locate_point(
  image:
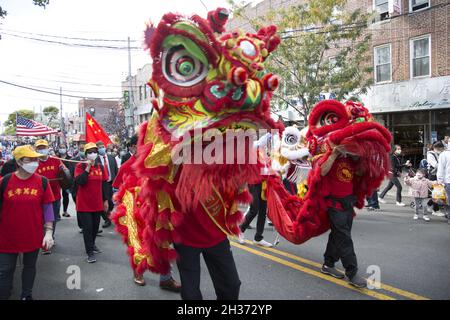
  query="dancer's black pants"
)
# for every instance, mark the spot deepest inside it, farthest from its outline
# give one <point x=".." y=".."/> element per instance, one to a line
<point x="257" y="208"/>
<point x="340" y="244"/>
<point x="222" y="269"/>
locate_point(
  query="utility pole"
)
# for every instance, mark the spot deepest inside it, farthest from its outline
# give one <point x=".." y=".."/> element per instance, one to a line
<point x="61" y="111"/>
<point x="131" y="95"/>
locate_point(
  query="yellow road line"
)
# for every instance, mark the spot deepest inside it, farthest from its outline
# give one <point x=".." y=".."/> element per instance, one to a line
<point x="313" y="273"/>
<point x="386" y="287"/>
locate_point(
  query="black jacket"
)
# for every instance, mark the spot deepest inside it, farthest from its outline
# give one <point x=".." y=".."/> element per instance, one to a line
<point x="125" y="158"/>
<point x="397" y="165"/>
<point x="10" y="166"/>
<point x="112" y="166"/>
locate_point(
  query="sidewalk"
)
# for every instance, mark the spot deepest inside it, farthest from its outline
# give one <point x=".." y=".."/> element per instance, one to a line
<point x="391" y="194"/>
<point x="391" y="207"/>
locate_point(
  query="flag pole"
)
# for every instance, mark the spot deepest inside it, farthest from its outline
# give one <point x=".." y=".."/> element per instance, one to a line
<point x="16" y="124"/>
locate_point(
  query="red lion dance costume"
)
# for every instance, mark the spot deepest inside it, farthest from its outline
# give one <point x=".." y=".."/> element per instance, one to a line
<point x="204" y="78"/>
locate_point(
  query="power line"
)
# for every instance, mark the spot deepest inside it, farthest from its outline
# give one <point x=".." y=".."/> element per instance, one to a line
<point x="37" y="99"/>
<point x="204" y="5"/>
<point x="55" y="93"/>
<point x="72" y="44"/>
<point x="72" y="82"/>
<point x="69" y="38"/>
<point x="68" y="90"/>
<point x="350" y="25"/>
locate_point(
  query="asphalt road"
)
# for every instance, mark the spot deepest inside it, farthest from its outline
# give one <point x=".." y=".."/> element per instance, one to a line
<point x="412" y="257"/>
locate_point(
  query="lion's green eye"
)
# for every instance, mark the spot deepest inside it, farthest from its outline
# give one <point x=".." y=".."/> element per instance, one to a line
<point x="181" y="68"/>
<point x="185" y="67"/>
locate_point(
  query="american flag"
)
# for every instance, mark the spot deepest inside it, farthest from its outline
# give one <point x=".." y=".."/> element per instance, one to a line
<point x="27" y="127"/>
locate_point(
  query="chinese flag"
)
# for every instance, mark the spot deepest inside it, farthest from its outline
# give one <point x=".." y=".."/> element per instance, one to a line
<point x="94" y="132"/>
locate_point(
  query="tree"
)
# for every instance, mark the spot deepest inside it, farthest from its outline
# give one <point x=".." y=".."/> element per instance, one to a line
<point x="41" y="3"/>
<point x="324" y="49"/>
<point x="51" y="113"/>
<point x="115" y="123"/>
<point x="10" y="124"/>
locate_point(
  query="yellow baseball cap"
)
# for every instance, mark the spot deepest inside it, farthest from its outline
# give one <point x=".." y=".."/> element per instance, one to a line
<point x="25" y="152"/>
<point x="41" y="142"/>
<point x="90" y="145"/>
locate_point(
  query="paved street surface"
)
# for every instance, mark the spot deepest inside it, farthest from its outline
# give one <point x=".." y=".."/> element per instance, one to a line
<point x="413" y="258"/>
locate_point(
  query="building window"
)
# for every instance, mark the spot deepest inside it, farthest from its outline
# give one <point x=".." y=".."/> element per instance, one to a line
<point x="420" y="52"/>
<point x="382" y="57"/>
<point x="416" y="5"/>
<point x="140" y="93"/>
<point x="382" y="9"/>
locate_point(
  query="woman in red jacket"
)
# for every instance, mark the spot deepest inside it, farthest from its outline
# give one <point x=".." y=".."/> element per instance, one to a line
<point x="91" y="198"/>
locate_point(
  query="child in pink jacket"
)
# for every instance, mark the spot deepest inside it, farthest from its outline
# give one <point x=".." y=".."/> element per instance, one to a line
<point x="419" y="186"/>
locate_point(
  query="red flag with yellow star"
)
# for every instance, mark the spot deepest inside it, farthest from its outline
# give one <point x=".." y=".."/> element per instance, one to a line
<point x="95" y="132"/>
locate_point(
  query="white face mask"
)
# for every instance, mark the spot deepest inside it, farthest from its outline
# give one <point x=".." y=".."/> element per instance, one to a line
<point x="92" y="156"/>
<point x="30" y="167"/>
<point x="43" y="152"/>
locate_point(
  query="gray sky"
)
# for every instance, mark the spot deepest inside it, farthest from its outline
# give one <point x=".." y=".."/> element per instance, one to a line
<point x="80" y="71"/>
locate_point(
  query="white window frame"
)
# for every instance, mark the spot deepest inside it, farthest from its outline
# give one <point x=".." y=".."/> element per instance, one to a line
<point x="411" y="53"/>
<point x="378" y="19"/>
<point x="411" y="8"/>
<point x="375" y="63"/>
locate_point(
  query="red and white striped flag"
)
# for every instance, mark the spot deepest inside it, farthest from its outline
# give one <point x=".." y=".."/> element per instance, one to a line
<point x="28" y="127"/>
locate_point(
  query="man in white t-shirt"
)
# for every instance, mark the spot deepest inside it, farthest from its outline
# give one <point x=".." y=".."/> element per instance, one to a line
<point x="443" y="176"/>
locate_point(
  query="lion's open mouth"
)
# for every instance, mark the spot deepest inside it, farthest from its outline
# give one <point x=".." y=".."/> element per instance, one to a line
<point x="357" y="137"/>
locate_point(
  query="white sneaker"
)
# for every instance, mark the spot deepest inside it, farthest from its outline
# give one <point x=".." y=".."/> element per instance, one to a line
<point x="241" y="238"/>
<point x="381" y="200"/>
<point x="263" y="243"/>
<point x="426" y="218"/>
<point x="416" y="217"/>
<point x="400" y="204"/>
<point x="438" y="214"/>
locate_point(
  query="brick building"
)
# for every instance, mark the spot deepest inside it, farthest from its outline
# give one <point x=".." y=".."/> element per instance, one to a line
<point x="410" y="58"/>
<point x="411" y="91"/>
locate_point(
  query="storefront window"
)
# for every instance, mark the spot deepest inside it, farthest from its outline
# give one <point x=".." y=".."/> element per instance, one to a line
<point x="411" y="131"/>
<point x="412" y="140"/>
<point x="416" y="117"/>
<point x="440" y="124"/>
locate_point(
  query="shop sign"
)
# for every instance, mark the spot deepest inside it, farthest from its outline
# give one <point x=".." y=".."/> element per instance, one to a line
<point x="415" y="94"/>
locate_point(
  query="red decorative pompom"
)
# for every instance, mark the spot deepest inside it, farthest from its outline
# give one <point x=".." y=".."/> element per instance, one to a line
<point x="271" y="82"/>
<point x="237" y="76"/>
